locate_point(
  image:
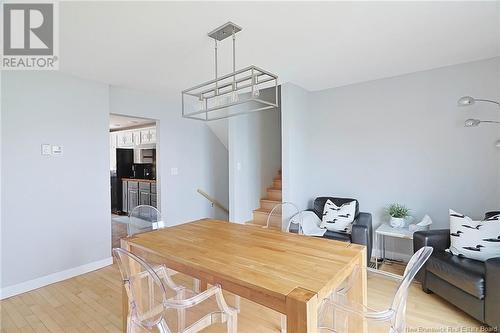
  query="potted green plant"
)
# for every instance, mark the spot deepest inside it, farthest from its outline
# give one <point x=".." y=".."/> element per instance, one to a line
<point x="398" y="213"/>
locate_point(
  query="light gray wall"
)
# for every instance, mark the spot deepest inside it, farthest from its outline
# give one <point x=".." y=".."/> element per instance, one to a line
<point x="1" y="177"/>
<point x="55" y="212"/>
<point x="185" y="144"/>
<point x="295" y="113"/>
<point x="400" y="139"/>
<point x="254" y="145"/>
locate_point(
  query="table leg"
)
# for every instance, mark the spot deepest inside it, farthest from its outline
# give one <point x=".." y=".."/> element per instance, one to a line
<point x="383" y="246"/>
<point x="302" y="311"/>
<point x="124" y="310"/>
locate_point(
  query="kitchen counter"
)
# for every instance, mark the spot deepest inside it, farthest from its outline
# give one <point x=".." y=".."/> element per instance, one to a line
<point x="140" y="180"/>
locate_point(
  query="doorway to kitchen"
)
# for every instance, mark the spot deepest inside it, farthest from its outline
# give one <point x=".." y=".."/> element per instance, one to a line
<point x="133" y="169"/>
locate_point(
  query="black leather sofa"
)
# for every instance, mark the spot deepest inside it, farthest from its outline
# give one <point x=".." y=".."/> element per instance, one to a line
<point x="362" y="231"/>
<point x="471" y="285"/>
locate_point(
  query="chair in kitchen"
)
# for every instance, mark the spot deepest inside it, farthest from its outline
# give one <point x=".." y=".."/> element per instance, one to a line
<point x="152" y="295"/>
<point x="144" y="218"/>
<point x="337" y="312"/>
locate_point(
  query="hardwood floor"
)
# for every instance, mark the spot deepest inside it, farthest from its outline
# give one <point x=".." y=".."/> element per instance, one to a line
<point x="92" y="303"/>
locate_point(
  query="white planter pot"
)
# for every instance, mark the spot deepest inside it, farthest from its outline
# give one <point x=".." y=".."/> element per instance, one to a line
<point x="397" y="222"/>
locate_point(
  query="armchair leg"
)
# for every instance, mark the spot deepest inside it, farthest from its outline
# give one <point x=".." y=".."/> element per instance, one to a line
<point x="162" y="327"/>
<point x="237" y="303"/>
<point x="196" y="286"/>
<point x="181" y="313"/>
<point x="283" y="323"/>
<point x="232" y="323"/>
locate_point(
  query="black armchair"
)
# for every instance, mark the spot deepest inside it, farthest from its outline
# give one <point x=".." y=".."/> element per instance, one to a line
<point x="362" y="231"/>
<point x="471" y="285"/>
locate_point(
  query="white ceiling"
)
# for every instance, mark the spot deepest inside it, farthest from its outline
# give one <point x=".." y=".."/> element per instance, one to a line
<point x="163" y="47"/>
<point x="117" y="122"/>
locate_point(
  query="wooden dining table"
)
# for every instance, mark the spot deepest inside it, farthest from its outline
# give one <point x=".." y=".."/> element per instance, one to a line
<point x="285" y="272"/>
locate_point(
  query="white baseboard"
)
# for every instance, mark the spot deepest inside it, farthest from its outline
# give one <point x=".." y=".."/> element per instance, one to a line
<point x="53" y="278"/>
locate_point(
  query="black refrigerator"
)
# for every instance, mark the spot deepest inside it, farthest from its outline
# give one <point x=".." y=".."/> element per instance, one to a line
<point x="124" y="162"/>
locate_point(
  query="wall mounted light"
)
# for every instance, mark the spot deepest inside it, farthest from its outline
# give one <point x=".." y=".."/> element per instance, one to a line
<point x="468" y="100"/>
<point x="476" y="122"/>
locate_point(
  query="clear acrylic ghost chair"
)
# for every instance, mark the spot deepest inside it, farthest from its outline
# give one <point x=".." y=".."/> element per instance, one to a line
<point x="295" y="219"/>
<point x="121" y="257"/>
<point x="149" y="290"/>
<point x="144" y="218"/>
<point x="337" y="311"/>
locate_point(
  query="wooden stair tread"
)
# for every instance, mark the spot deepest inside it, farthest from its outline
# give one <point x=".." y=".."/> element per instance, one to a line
<point x="267" y="211"/>
<point x="269" y="203"/>
<point x="256" y="225"/>
<point x="274" y="198"/>
<point x="270" y="200"/>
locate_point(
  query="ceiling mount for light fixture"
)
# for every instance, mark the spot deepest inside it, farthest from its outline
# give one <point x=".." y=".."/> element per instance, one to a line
<point x="232" y="94"/>
<point x="224" y="31"/>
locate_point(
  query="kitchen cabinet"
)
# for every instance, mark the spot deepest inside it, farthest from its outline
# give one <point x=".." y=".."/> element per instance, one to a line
<point x="144" y="193"/>
<point x="152" y="131"/>
<point x="131" y="138"/>
<point x="125" y="139"/>
<point x="125" y="196"/>
<point x="153" y="196"/>
<point x="148" y="135"/>
<point x="112" y="151"/>
<point x="138" y="192"/>
<point x="133" y="195"/>
<point x="144" y="197"/>
<point x="113" y="139"/>
<point x="136" y="135"/>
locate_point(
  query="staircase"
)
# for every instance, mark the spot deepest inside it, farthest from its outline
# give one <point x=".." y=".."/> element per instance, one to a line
<point x="266" y="205"/>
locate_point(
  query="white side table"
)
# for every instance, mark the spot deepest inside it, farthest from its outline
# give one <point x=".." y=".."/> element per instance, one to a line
<point x="385" y="230"/>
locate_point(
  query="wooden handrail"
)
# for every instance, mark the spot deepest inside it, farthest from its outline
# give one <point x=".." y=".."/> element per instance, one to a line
<point x="213" y="201"/>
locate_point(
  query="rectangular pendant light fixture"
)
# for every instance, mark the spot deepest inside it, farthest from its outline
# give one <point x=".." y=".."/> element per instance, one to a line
<point x="243" y="91"/>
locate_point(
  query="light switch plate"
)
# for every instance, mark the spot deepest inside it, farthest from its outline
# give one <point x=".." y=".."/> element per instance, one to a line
<point x="46" y="149"/>
<point x="174" y="171"/>
<point x="57" y="150"/>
